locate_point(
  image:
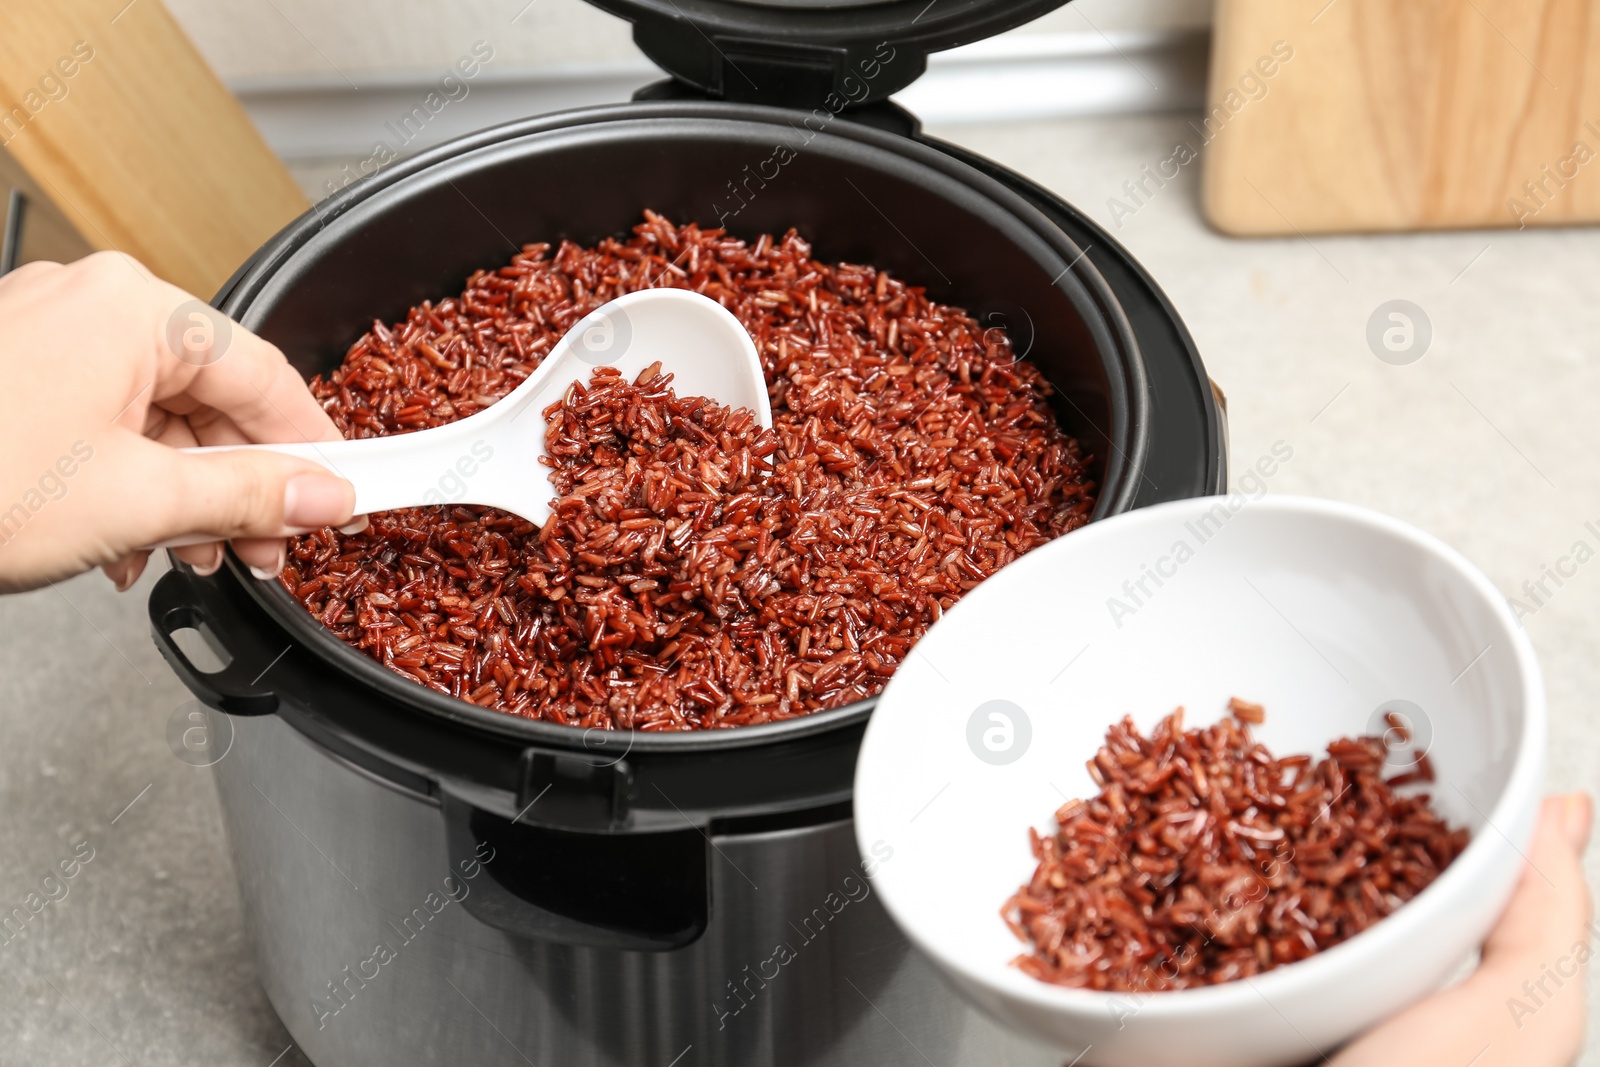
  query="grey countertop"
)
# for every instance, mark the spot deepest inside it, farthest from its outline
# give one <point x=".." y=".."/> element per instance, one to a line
<point x="1488" y="441"/>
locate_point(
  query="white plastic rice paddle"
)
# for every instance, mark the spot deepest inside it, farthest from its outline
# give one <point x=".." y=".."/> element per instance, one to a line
<point x="492" y="458"/>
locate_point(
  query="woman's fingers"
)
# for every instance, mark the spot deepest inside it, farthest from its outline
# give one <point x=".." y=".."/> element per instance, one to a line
<point x="1548" y="917"/>
<point x="203" y="558"/>
<point x="265" y="556"/>
<point x="125" y="571"/>
<point x="1524" y="1005"/>
<point x="229" y="387"/>
<point x="137" y="493"/>
<point x="1577" y="820"/>
<point x="249" y="494"/>
<point x="222" y="379"/>
<point x="1535" y="962"/>
<point x="82" y="486"/>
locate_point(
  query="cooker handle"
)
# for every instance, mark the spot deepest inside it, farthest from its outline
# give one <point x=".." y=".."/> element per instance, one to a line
<point x="630" y="890"/>
<point x="179" y="601"/>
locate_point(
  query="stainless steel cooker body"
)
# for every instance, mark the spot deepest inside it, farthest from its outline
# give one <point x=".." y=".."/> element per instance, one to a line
<point x="371" y="958"/>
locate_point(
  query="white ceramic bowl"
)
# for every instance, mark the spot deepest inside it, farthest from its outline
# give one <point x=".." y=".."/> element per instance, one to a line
<point x="1324" y="612"/>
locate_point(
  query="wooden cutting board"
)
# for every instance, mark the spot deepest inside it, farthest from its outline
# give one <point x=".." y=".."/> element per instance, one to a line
<point x="1402" y="115"/>
<point x="120" y="136"/>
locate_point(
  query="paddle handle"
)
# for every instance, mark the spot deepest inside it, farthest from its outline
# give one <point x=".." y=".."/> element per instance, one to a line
<point x="444" y="465"/>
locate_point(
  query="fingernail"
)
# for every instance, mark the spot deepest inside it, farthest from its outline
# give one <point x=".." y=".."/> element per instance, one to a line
<point x="357" y="525"/>
<point x="311" y="501"/>
<point x="1576" y="817"/>
<point x="211" y="565"/>
<point x="266" y="574"/>
<point x="121" y="575"/>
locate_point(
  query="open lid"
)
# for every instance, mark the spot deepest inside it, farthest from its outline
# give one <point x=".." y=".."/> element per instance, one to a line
<point x="810" y="53"/>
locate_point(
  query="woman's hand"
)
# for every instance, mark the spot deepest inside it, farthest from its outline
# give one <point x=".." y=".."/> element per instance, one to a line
<point x="108" y="371"/>
<point x="1524" y="1005"/>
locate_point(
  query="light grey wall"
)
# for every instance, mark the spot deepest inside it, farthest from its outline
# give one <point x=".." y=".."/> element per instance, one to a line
<point x="1109" y="16"/>
<point x="247" y="40"/>
<point x="258" y="39"/>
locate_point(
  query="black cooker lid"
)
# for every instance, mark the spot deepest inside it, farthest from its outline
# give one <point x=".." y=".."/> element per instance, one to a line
<point x="832" y="54"/>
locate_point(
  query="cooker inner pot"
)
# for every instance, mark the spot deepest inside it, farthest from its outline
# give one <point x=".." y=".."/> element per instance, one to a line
<point x="865" y="197"/>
